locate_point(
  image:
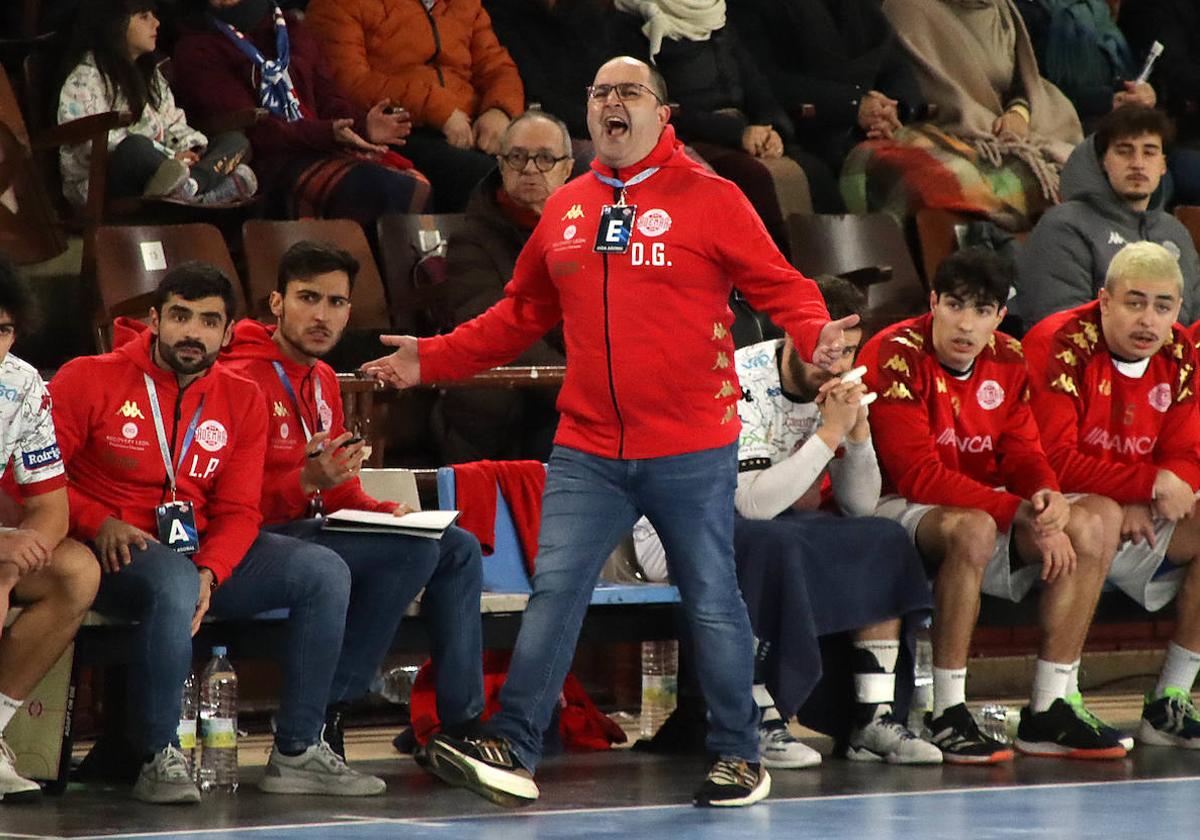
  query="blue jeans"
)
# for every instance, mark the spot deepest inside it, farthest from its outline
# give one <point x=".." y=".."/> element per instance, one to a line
<point x="590" y="503"/>
<point x="386" y="573"/>
<point x="159" y="590"/>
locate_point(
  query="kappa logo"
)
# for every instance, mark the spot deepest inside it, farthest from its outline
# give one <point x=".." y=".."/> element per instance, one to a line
<point x="211" y="436"/>
<point x="576" y="212"/>
<point x="1115" y="238"/>
<point x="654" y="222"/>
<point x="990" y="395"/>
<point x="280" y="409"/>
<point x="131" y="411"/>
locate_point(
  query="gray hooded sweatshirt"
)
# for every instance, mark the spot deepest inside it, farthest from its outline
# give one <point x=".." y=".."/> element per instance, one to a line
<point x="1063" y="262"/>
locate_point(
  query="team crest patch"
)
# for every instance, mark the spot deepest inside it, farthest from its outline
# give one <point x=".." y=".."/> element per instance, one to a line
<point x="990" y="395"/>
<point x="1160" y="397"/>
<point x="211" y="436"/>
<point x="654" y="222"/>
<point x="569" y="232"/>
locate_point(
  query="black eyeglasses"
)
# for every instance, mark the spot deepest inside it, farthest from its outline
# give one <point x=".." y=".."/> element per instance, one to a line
<point x="544" y="161"/>
<point x="626" y="91"/>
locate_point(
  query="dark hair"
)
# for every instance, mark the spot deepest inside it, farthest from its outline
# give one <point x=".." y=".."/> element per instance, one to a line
<point x="1133" y="120"/>
<point x="308" y="258"/>
<point x="842" y="298"/>
<point x="195" y="280"/>
<point x="658" y="83"/>
<point x="100" y="29"/>
<point x="14" y="294"/>
<point x="975" y="274"/>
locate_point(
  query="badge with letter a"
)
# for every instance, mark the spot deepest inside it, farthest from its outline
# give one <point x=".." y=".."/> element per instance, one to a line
<point x="177" y="527"/>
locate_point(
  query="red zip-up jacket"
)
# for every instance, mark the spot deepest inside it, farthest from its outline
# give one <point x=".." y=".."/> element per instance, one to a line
<point x="111" y="452"/>
<point x="283" y="499"/>
<point x="649" y="353"/>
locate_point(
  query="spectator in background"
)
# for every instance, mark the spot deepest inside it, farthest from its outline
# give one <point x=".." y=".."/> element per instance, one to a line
<point x="471" y="425"/>
<point x="315" y="152"/>
<point x="839" y="56"/>
<point x="113" y="68"/>
<point x="1176" y="25"/>
<point x="1110" y="187"/>
<point x="53" y="578"/>
<point x="441" y="61"/>
<point x="726" y="109"/>
<point x="1001" y="132"/>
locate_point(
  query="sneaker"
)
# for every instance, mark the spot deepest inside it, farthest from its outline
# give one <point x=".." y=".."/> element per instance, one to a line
<point x="14" y="788"/>
<point x="483" y="765"/>
<point x="781" y="750"/>
<point x="732" y="783"/>
<point x="166" y="779"/>
<point x="1063" y="732"/>
<point x="887" y="739"/>
<point x="1076" y="702"/>
<point x="169" y="177"/>
<point x="318" y="770"/>
<point x="957" y="735"/>
<point x="1170" y="721"/>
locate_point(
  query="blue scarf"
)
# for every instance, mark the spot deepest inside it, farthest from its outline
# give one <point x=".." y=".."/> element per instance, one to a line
<point x="275" y="90"/>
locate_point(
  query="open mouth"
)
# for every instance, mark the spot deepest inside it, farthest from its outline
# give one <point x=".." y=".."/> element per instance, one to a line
<point x="615" y="126"/>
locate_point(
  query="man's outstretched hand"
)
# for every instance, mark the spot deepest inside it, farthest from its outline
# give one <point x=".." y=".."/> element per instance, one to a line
<point x="831" y="342"/>
<point x="401" y="369"/>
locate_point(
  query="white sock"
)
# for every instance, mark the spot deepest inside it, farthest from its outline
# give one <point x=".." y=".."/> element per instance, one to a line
<point x="8" y="708"/>
<point x="1073" y="680"/>
<point x="949" y="688"/>
<point x="885" y="652"/>
<point x="766" y="704"/>
<point x="1049" y="684"/>
<point x="1179" y="670"/>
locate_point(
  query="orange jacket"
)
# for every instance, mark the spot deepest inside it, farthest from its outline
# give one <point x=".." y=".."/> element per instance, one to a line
<point x="429" y="62"/>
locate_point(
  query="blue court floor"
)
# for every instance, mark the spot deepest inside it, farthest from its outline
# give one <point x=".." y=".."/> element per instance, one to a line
<point x="1144" y="808"/>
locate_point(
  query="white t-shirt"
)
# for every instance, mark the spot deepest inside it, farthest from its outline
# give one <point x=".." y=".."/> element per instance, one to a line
<point x="27" y="428"/>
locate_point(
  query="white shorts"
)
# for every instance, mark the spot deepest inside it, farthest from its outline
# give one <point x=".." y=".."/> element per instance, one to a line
<point x="1000" y="579"/>
<point x="1136" y="569"/>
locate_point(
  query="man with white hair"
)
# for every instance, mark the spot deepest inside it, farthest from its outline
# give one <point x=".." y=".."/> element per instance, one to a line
<point x="1113" y="388"/>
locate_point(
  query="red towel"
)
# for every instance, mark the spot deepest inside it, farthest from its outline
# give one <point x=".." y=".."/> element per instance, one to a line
<point x="521" y="482"/>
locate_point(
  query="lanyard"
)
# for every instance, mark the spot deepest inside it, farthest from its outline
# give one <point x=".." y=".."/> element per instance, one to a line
<point x="621" y="185"/>
<point x="171" y="468"/>
<point x="291" y="392"/>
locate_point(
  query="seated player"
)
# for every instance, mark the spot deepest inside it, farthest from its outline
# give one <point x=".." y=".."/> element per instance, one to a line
<point x="1113" y="388"/>
<point x="965" y="474"/>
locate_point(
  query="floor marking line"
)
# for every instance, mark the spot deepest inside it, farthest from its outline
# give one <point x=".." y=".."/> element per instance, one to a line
<point x="234" y="829"/>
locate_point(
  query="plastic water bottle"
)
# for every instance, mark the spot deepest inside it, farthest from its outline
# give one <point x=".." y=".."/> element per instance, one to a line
<point x="218" y="724"/>
<point x="922" y="698"/>
<point x="187" y="721"/>
<point x="660" y="686"/>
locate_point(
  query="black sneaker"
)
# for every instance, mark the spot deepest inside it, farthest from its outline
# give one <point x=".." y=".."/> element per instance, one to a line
<point x="1062" y="732"/>
<point x="1170" y="720"/>
<point x="957" y="735"/>
<point x="1076" y="701"/>
<point x="482" y="765"/>
<point x="733" y="783"/>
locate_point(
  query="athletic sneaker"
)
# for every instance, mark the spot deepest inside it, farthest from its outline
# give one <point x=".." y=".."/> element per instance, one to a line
<point x="166" y="779"/>
<point x="483" y="765"/>
<point x="957" y="735"/>
<point x="887" y="739"/>
<point x="1063" y="732"/>
<point x="1076" y="702"/>
<point x="781" y="750"/>
<point x="733" y="783"/>
<point x="318" y="770"/>
<point x="1170" y="721"/>
<point x="167" y="179"/>
<point x="14" y="788"/>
